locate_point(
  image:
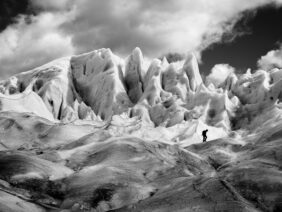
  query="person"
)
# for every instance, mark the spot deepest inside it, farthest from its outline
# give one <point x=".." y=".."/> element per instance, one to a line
<point x="204" y="134"/>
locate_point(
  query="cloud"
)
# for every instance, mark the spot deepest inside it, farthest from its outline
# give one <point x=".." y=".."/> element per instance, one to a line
<point x="33" y="42"/>
<point x="219" y="73"/>
<point x="273" y="59"/>
<point x="51" y="5"/>
<point x="156" y="26"/>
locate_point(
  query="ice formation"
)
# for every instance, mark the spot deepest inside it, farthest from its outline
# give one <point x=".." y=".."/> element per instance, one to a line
<point x="99" y="132"/>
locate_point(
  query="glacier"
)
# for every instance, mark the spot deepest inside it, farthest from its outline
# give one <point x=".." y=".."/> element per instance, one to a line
<point x="97" y="132"/>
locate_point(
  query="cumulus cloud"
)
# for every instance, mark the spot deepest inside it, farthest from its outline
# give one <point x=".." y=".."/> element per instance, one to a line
<point x="273" y="59"/>
<point x="219" y="73"/>
<point x="33" y="42"/>
<point x="156" y="26"/>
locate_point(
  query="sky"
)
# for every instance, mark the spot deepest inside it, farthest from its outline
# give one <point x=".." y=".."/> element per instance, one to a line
<point x="224" y="34"/>
<point x="262" y="33"/>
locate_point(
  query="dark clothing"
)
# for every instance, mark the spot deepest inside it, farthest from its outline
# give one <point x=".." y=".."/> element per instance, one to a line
<point x="204" y="134"/>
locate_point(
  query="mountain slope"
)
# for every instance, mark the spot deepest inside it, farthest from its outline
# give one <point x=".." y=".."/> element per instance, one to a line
<point x="95" y="132"/>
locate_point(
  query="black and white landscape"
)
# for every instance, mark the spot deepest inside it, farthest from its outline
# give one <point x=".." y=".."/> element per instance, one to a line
<point x="113" y="129"/>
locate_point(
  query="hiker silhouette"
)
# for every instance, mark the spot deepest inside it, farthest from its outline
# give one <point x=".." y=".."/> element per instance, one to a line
<point x="204" y="134"/>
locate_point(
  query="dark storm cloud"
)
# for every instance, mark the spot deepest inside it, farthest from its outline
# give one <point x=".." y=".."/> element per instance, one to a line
<point x="50" y="5"/>
<point x="9" y="9"/>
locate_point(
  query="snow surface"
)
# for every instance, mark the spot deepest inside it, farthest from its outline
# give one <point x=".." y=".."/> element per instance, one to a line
<point x="96" y="131"/>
